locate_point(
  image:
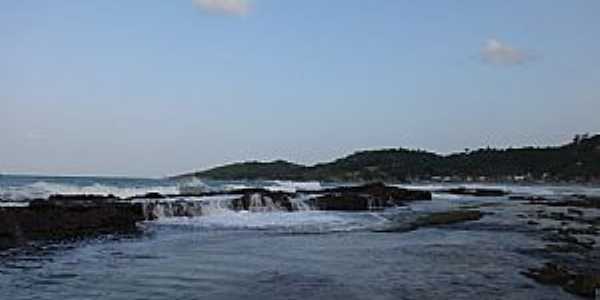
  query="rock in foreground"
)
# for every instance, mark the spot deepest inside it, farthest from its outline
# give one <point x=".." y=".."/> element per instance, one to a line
<point x="66" y="217"/>
<point x="582" y="284"/>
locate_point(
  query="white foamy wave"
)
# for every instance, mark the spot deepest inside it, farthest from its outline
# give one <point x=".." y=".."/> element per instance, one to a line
<point x="14" y="204"/>
<point x="192" y="186"/>
<point x="236" y="186"/>
<point x="310" y="221"/>
<point x="540" y="190"/>
<point x="293" y="186"/>
<point x="42" y="189"/>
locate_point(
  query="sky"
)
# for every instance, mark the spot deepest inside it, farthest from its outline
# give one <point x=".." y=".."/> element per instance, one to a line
<point x="155" y="87"/>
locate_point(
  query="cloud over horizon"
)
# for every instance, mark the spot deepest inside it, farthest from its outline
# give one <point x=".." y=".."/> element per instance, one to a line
<point x="498" y="53"/>
<point x="224" y="7"/>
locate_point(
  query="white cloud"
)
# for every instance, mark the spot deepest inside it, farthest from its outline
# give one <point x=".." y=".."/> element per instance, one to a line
<point x="225" y="7"/>
<point x="498" y="53"/>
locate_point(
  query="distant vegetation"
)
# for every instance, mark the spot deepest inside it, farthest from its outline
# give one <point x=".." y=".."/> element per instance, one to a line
<point x="578" y="161"/>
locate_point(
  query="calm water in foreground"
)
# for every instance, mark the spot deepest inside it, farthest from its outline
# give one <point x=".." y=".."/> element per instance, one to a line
<point x="276" y="255"/>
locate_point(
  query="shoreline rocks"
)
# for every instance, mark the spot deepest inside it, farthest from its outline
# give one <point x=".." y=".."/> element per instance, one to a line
<point x="62" y="217"/>
<point x="573" y="258"/>
<point x="582" y="284"/>
<point x="476" y="192"/>
<point x="68" y="216"/>
<point x="434" y="219"/>
<point x="367" y="197"/>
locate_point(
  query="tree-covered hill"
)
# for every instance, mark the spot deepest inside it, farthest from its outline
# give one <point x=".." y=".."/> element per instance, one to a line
<point x="575" y="161"/>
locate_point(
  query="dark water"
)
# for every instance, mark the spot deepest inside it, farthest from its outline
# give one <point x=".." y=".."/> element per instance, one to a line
<point x="190" y="263"/>
<point x="300" y="255"/>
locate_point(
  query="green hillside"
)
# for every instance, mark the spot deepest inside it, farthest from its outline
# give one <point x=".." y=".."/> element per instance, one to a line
<point x="575" y="161"/>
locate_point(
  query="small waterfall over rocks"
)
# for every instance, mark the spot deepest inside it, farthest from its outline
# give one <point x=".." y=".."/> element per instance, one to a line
<point x="369" y="197"/>
<point x="301" y="203"/>
<point x="162" y="209"/>
<point x="221" y="204"/>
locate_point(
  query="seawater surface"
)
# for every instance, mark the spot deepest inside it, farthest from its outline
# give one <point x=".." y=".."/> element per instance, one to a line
<point x="277" y="255"/>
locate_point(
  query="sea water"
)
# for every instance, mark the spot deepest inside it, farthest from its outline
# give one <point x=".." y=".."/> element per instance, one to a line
<point x="271" y="254"/>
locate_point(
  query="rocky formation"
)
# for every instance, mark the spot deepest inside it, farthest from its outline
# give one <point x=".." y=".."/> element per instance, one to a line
<point x="156" y="209"/>
<point x="476" y="192"/>
<point x="448" y="217"/>
<point x="366" y="197"/>
<point x="580" y="201"/>
<point x="574" y="258"/>
<point x="62" y="217"/>
<point x="433" y="219"/>
<point x="348" y="198"/>
<point x="582" y="284"/>
<point x="265" y="199"/>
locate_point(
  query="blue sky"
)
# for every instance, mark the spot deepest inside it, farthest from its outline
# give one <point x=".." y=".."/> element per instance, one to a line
<point x="154" y="87"/>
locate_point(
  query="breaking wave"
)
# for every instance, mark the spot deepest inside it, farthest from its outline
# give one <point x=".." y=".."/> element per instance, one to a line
<point x="293" y="186"/>
<point x="300" y="222"/>
<point x="43" y="189"/>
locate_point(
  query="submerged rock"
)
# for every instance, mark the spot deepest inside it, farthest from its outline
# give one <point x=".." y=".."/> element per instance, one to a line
<point x="449" y="217"/>
<point x="527" y="198"/>
<point x="583" y="284"/>
<point x="573" y="201"/>
<point x="477" y="192"/>
<point x="433" y="219"/>
<point x="549" y="274"/>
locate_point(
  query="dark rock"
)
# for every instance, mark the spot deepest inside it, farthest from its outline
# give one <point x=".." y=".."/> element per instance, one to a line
<point x="565" y="248"/>
<point x="372" y="196"/>
<point x="571" y="201"/>
<point x="345" y="202"/>
<point x="558" y="216"/>
<point x="589" y="230"/>
<point x="476" y="192"/>
<point x="574" y="211"/>
<point x="381" y="191"/>
<point x="67" y="217"/>
<point x="568" y="243"/>
<point x="583" y="284"/>
<point x="550" y="274"/>
<point x="527" y="198"/>
<point x="449" y="217"/>
<point x="151" y="195"/>
<point x="433" y="219"/>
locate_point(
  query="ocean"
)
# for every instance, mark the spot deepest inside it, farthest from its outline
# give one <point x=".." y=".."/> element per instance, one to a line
<point x="270" y="254"/>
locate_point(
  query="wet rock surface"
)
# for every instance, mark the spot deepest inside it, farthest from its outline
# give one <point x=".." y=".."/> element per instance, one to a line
<point x="433" y="219"/>
<point x="582" y="284"/>
<point x="571" y="250"/>
<point x="476" y="192"/>
<point x="367" y="197"/>
<point x="62" y="217"/>
<point x="450" y="217"/>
